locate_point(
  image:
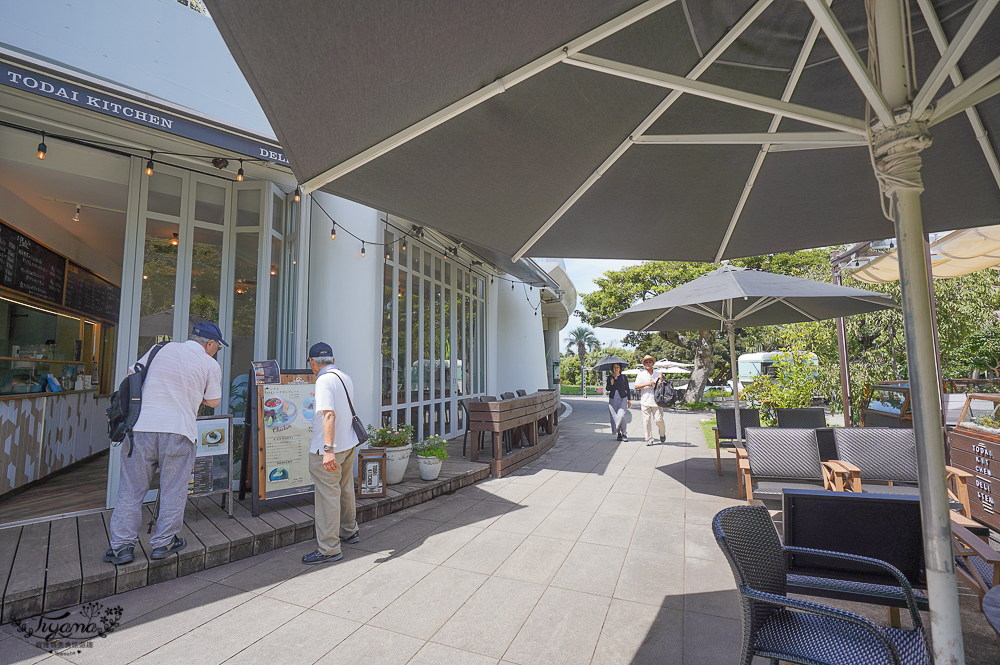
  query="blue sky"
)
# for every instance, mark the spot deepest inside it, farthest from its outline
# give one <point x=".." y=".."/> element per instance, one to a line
<point x="583" y="272"/>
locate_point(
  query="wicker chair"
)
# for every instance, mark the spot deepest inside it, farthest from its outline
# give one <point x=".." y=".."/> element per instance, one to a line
<point x="812" y="417"/>
<point x="725" y="433"/>
<point x="521" y="393"/>
<point x="782" y="628"/>
<point x="779" y="458"/>
<point x="889" y="455"/>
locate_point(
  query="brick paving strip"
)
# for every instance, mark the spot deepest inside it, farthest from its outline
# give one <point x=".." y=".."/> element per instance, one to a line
<point x="598" y="552"/>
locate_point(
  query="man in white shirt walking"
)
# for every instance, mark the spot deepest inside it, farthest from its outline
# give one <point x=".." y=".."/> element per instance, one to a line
<point x="645" y="382"/>
<point x="331" y="458"/>
<point x="182" y="377"/>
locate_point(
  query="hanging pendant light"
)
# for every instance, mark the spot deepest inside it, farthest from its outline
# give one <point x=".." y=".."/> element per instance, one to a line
<point x="42" y="148"/>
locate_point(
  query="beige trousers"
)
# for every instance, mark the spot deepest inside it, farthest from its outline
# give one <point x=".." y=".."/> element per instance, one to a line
<point x="649" y="414"/>
<point x="336" y="516"/>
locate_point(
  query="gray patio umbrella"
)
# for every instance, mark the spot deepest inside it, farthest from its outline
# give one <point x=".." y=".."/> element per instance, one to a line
<point x="739" y="298"/>
<point x="696" y="131"/>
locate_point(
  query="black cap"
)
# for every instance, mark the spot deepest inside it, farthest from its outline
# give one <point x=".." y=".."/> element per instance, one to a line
<point x="320" y="350"/>
<point x="209" y="330"/>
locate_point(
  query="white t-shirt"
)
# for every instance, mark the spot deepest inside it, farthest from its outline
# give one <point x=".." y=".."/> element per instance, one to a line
<point x="180" y="377"/>
<point x="646" y="394"/>
<point x="330" y="396"/>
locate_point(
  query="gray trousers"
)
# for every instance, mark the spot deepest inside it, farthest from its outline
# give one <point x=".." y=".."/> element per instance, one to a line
<point x="335" y="511"/>
<point x="174" y="454"/>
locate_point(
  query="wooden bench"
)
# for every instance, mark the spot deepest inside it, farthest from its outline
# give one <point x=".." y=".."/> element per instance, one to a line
<point x="537" y="415"/>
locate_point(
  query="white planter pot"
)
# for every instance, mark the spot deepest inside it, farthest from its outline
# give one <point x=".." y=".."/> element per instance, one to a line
<point x="430" y="467"/>
<point x="395" y="463"/>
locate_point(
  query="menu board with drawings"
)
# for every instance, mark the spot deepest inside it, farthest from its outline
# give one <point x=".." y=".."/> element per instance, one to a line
<point x="88" y="293"/>
<point x="30" y="268"/>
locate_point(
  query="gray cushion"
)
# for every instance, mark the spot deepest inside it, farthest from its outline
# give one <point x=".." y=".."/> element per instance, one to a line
<point x="882" y="453"/>
<point x="778" y="452"/>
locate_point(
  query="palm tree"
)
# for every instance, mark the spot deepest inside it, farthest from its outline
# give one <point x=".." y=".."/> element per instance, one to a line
<point x="584" y="339"/>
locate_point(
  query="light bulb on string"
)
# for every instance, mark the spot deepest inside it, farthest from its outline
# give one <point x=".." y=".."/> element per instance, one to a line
<point x="239" y="174"/>
<point x="42" y="148"/>
<point x="512" y="286"/>
<point x="174" y="241"/>
<point x="404" y="244"/>
<point x="298" y="194"/>
<point x="76" y="217"/>
<point x="333" y="231"/>
<point x="273" y="272"/>
<point x="387" y="252"/>
<point x="362" y="249"/>
<point x="149" y="164"/>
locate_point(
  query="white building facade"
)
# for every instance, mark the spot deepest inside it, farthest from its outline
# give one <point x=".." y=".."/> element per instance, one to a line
<point x="166" y="200"/>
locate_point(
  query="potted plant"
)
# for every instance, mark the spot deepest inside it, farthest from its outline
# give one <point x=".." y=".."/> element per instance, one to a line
<point x="431" y="452"/>
<point x="396" y="441"/>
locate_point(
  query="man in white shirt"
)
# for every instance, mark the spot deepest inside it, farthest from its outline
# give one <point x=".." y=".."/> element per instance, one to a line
<point x="644" y="383"/>
<point x="182" y="377"/>
<point x="331" y="457"/>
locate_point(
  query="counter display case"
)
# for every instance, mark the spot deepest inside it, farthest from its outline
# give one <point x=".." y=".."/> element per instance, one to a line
<point x="887" y="405"/>
<point x="975" y="445"/>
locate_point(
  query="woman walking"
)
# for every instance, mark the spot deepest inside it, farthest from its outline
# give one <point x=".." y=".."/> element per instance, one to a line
<point x="618" y="393"/>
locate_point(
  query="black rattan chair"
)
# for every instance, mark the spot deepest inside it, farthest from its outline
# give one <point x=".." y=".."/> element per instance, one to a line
<point x="812" y="417"/>
<point x="725" y="431"/>
<point x="522" y="393"/>
<point x="782" y="628"/>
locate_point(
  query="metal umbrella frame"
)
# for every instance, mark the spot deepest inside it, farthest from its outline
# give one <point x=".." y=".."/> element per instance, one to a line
<point x="362" y="135"/>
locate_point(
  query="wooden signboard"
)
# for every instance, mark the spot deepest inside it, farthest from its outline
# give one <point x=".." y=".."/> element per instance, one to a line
<point x="279" y="442"/>
<point x="371" y="472"/>
<point x="981" y="458"/>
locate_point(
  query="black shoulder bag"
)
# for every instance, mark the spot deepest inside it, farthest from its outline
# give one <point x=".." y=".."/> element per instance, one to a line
<point x="126" y="402"/>
<point x="356" y="423"/>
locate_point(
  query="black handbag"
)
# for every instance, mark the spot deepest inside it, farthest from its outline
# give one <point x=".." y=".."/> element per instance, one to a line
<point x="359" y="428"/>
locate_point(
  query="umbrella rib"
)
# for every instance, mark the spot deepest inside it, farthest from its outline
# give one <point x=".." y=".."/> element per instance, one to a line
<point x="699" y="69"/>
<point x="759" y="304"/>
<point x="798" y="309"/>
<point x="941" y="41"/>
<point x="720" y="93"/>
<point x="949" y="59"/>
<point x="790" y="139"/>
<point x="654" y="321"/>
<point x="793" y="81"/>
<point x="486" y="92"/>
<point x="849" y="56"/>
<point x="957" y="99"/>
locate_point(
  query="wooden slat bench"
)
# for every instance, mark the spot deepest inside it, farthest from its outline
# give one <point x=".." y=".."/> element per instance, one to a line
<point x="536" y="415"/>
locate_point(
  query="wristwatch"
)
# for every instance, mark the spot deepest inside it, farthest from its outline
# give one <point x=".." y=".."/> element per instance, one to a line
<point x="328" y="449"/>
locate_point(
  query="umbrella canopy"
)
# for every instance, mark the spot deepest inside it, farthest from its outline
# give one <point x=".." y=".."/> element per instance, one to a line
<point x="956" y="254"/>
<point x="661" y="364"/>
<point x="528" y="126"/>
<point x="605" y="363"/>
<point x="675" y="370"/>
<point x="747" y="298"/>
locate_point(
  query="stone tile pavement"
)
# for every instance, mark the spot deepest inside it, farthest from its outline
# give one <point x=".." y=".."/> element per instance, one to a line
<point x="599" y="552"/>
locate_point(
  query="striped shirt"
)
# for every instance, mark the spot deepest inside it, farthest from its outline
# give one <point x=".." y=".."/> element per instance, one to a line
<point x="181" y="376"/>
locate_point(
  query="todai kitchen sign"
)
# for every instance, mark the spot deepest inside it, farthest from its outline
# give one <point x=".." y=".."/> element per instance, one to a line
<point x="128" y="110"/>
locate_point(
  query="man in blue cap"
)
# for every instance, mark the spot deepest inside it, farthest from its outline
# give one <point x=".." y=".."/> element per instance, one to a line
<point x="182" y="377"/>
<point x="331" y="457"/>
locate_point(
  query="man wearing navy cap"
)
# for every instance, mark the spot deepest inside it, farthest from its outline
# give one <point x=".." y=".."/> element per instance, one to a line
<point x="331" y="457"/>
<point x="182" y="377"/>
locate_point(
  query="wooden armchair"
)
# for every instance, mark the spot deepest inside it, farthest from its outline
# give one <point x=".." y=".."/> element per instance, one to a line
<point x="886" y="458"/>
<point x="778" y="458"/>
<point x="976" y="563"/>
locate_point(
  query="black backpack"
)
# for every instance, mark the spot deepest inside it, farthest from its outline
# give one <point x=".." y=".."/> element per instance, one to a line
<point x="664" y="393"/>
<point x="127" y="401"/>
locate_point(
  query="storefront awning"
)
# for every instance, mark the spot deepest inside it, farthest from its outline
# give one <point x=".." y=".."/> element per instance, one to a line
<point x="958" y="253"/>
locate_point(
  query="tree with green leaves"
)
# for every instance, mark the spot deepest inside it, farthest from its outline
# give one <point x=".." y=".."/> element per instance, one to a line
<point x="582" y="339"/>
<point x="981" y="351"/>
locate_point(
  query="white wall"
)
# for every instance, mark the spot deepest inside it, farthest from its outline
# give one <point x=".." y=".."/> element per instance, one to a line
<point x="520" y="359"/>
<point x="345" y="296"/>
<point x="158" y="47"/>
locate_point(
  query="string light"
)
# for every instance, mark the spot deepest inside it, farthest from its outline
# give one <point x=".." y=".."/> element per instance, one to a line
<point x="273" y="272"/>
<point x="76" y="217"/>
<point x="149" y="164"/>
<point x="333" y="230"/>
<point x="42" y="148"/>
<point x="239" y="174"/>
<point x="387" y="254"/>
<point x="174" y="241"/>
<point x="404" y="243"/>
<point x="362" y="249"/>
<point x="298" y="194"/>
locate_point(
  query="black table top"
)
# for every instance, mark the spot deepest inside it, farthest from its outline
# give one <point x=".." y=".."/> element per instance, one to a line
<point x="991" y="607"/>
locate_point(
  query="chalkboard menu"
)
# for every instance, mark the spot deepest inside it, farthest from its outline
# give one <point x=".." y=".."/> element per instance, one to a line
<point x="88" y="293"/>
<point x="28" y="267"/>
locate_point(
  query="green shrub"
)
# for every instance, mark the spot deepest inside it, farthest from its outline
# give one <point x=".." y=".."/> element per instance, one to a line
<point x="694" y="406"/>
<point x="432" y="446"/>
<point x="714" y="394"/>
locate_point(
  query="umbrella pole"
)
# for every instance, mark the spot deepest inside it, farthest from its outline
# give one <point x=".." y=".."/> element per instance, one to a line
<point x="736" y="379"/>
<point x="897" y="152"/>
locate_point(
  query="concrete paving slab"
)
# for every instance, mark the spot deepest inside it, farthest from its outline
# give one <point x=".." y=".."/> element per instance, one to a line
<point x="370" y="593"/>
<point x="428" y="604"/>
<point x="563" y="628"/>
<point x="638" y="634"/>
<point x="486" y="552"/>
<point x="304" y="639"/>
<point x="536" y="560"/>
<point x="317" y="582"/>
<point x="439" y="654"/>
<point x="369" y="645"/>
<point x="591" y="568"/>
